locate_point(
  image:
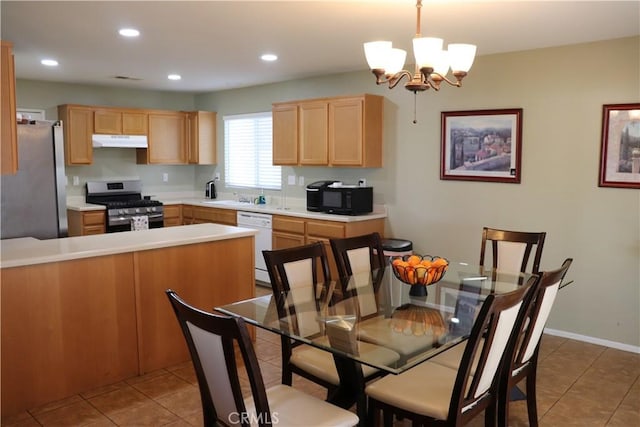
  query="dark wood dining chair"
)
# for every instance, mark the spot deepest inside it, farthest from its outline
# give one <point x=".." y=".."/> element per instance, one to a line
<point x="294" y="273"/>
<point x="358" y="253"/>
<point x="433" y="394"/>
<point x="212" y="342"/>
<point x="524" y="363"/>
<point x="356" y="258"/>
<point x="511" y="250"/>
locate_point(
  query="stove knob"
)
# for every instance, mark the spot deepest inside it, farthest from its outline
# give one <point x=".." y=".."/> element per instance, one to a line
<point x="137" y="210"/>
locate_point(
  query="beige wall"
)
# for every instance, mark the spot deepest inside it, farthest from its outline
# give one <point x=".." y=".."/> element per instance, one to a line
<point x="561" y="91"/>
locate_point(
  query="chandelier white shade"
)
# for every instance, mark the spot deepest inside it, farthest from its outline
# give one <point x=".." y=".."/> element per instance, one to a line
<point x="432" y="63"/>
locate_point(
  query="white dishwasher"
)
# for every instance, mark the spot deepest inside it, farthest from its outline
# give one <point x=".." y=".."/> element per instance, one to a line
<point x="261" y="223"/>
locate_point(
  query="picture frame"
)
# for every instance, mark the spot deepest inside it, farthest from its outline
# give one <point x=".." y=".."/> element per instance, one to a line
<point x="482" y="145"/>
<point x="620" y="146"/>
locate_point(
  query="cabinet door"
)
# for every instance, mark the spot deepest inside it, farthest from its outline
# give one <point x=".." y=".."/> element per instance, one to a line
<point x="78" y="128"/>
<point x="9" y="142"/>
<point x="313" y="133"/>
<point x="285" y="134"/>
<point x="167" y="133"/>
<point x="107" y="122"/>
<point x="172" y="215"/>
<point x="134" y="123"/>
<point x="201" y="137"/>
<point x="345" y="132"/>
<point x="286" y="240"/>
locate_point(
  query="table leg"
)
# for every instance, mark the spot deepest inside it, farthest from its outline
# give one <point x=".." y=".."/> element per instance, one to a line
<point x="351" y="388"/>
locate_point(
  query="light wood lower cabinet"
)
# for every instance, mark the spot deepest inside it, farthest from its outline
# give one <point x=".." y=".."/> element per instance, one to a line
<point x="84" y="223"/>
<point x="67" y="327"/>
<point x="172" y="215"/>
<point x="72" y="326"/>
<point x="289" y="232"/>
<point x="199" y="214"/>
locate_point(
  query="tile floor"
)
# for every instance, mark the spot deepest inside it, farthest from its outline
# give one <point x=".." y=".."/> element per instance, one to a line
<point x="579" y="384"/>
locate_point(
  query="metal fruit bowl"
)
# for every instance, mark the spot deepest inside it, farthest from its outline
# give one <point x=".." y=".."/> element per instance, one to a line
<point x="419" y="270"/>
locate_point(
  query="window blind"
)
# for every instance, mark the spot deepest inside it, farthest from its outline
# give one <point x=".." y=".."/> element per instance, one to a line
<point x="248" y="147"/>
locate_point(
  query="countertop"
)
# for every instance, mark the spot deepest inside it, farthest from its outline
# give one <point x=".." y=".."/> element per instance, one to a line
<point x="294" y="210"/>
<point x="30" y="251"/>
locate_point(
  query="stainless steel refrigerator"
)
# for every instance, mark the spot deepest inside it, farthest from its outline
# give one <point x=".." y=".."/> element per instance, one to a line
<point x="34" y="201"/>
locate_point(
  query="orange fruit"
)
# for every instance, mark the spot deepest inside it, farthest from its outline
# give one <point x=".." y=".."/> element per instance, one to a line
<point x="439" y="262"/>
<point x="396" y="261"/>
<point x="414" y="260"/>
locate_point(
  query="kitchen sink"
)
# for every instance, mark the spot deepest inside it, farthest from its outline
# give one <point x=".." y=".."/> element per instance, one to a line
<point x="227" y="203"/>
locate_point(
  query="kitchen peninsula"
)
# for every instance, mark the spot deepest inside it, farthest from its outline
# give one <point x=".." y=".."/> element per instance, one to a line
<point x="83" y="312"/>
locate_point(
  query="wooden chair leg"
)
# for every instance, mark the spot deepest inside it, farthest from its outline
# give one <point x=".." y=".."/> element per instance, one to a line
<point x="532" y="407"/>
<point x="490" y="415"/>
<point x="373" y="416"/>
<point x="388" y="418"/>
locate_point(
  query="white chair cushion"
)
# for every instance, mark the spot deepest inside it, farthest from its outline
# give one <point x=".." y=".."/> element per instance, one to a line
<point x="292" y="407"/>
<point x="452" y="357"/>
<point x="378" y="330"/>
<point x="316" y="362"/>
<point x="425" y="390"/>
<point x="320" y="363"/>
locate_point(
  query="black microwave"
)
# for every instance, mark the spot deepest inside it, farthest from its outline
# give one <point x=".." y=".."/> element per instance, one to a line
<point x="347" y="200"/>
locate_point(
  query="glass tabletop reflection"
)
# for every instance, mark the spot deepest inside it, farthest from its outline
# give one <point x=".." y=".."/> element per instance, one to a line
<point x="418" y="322"/>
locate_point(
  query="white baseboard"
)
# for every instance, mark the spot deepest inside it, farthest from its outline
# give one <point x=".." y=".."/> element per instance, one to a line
<point x="592" y="340"/>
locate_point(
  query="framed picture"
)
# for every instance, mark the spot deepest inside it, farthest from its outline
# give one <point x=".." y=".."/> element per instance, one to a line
<point x="483" y="145"/>
<point x="620" y="149"/>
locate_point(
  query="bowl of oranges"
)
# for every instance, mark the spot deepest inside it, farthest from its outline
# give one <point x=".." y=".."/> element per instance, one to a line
<point x="419" y="270"/>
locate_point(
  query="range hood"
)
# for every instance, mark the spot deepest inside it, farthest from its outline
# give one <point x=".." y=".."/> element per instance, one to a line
<point x="120" y="141"/>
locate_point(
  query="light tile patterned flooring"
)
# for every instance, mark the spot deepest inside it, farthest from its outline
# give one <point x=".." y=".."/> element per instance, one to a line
<point x="579" y="384"/>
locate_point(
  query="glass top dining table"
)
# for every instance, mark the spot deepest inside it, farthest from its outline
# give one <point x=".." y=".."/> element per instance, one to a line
<point x="376" y="307"/>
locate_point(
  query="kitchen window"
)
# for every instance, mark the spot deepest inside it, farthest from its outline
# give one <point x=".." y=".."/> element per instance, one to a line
<point x="248" y="148"/>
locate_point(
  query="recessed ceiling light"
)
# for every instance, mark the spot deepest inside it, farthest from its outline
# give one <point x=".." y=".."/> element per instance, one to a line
<point x="129" y="32"/>
<point x="49" y="62"/>
<point x="269" y="57"/>
<point x="174" y="77"/>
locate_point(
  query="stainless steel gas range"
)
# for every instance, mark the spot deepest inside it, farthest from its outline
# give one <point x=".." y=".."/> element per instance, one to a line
<point x="125" y="204"/>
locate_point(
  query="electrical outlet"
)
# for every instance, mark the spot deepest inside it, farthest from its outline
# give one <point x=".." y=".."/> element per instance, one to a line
<point x="76" y="181"/>
<point x="301" y="181"/>
<point x="362" y="182"/>
<point x="217" y="176"/>
<point x="291" y="180"/>
<point x="165" y="177"/>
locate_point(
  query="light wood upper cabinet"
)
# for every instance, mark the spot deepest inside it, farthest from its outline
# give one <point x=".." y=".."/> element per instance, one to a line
<point x="313" y="133"/>
<point x="167" y="139"/>
<point x="9" y="152"/>
<point x="285" y="134"/>
<point x="117" y="122"/>
<point x="77" y="123"/>
<point x="339" y="131"/>
<point x="201" y="137"/>
<point x="355" y="131"/>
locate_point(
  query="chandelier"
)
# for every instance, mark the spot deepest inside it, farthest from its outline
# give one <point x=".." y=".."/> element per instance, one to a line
<point x="432" y="62"/>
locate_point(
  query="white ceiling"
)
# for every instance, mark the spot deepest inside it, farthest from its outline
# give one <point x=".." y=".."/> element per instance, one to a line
<point x="216" y="45"/>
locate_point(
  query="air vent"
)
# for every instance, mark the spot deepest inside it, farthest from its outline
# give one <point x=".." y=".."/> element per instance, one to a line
<point x="126" y="78"/>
